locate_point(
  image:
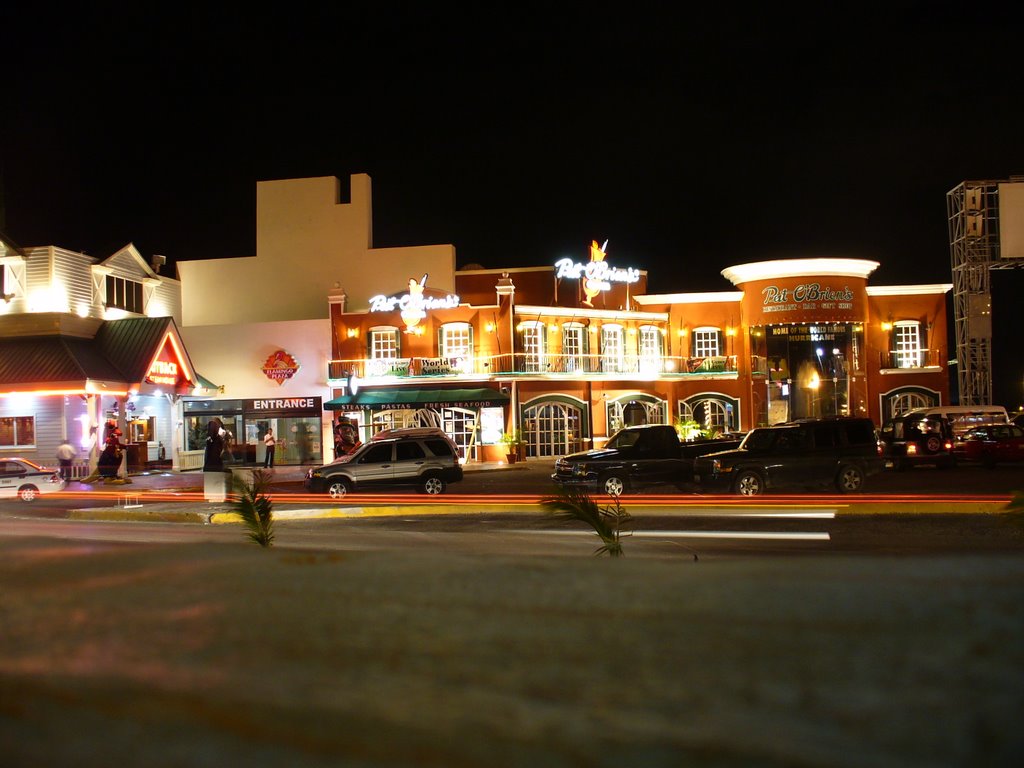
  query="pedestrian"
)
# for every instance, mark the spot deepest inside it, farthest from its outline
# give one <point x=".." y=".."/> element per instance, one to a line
<point x="66" y="454"/>
<point x="269" y="442"/>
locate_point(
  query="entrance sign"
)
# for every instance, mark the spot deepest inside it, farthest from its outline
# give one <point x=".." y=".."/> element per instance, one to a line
<point x="597" y="274"/>
<point x="280" y="367"/>
<point x="413" y="305"/>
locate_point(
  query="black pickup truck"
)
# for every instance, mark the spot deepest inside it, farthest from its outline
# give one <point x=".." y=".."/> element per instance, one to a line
<point x="636" y="457"/>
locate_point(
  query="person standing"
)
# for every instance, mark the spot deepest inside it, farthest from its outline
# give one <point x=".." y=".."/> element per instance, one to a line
<point x="66" y="454"/>
<point x="269" y="442"/>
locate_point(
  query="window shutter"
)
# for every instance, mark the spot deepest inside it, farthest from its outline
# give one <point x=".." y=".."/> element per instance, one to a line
<point x="441" y="351"/>
<point x="721" y="343"/>
<point x="925" y="355"/>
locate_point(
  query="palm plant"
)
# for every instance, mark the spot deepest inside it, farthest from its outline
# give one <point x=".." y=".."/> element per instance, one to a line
<point x="607" y="521"/>
<point x="255" y="508"/>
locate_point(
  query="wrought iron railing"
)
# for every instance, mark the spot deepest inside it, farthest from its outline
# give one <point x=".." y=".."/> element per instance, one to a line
<point x="521" y="363"/>
<point x="925" y="358"/>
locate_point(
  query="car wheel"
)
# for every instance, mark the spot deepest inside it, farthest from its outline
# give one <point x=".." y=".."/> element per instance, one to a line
<point x="28" y="493"/>
<point x="432" y="485"/>
<point x="613" y="485"/>
<point x="338" y="489"/>
<point x="850" y="479"/>
<point x="749" y="483"/>
<point x="932" y="444"/>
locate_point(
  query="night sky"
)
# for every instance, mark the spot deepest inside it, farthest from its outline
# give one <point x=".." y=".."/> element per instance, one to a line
<point x="691" y="140"/>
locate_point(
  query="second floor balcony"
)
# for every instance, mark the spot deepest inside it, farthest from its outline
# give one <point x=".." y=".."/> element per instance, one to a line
<point x="527" y="364"/>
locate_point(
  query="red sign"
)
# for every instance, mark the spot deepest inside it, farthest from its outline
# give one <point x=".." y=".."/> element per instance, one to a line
<point x="280" y="367"/>
<point x="168" y="368"/>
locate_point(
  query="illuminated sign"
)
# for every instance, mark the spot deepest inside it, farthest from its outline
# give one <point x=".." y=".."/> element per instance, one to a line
<point x="597" y="274"/>
<point x="280" y="367"/>
<point x="283" y="405"/>
<point x="805" y="296"/>
<point x="168" y="368"/>
<point x="413" y="305"/>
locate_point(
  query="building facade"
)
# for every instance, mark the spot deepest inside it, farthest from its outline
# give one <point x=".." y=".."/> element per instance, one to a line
<point x="87" y="346"/>
<point x="563" y="356"/>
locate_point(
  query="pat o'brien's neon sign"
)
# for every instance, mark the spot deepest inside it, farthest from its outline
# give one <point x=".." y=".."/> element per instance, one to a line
<point x="597" y="274"/>
<point x="413" y="305"/>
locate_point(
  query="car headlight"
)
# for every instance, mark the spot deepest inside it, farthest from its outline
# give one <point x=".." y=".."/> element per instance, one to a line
<point x="314" y="473"/>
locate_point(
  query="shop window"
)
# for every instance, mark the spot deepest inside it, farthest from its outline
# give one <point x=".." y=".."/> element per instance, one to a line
<point x="124" y="294"/>
<point x="906" y="336"/>
<point x="17" y="431"/>
<point x="650" y="349"/>
<point x="534" y="346"/>
<point x="613" y="349"/>
<point x="142" y="430"/>
<point x="707" y="342"/>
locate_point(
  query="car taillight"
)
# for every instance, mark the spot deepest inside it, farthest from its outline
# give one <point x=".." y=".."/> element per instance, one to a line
<point x="911" y="449"/>
<point x="949" y="446"/>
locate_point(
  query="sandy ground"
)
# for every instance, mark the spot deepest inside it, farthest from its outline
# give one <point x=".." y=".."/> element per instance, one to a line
<point x="214" y="655"/>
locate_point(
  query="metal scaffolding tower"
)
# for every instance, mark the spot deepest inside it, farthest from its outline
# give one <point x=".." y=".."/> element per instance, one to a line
<point x="972" y="208"/>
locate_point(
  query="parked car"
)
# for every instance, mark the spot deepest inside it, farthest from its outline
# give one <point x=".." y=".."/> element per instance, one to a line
<point x="26" y="480"/>
<point x="422" y="457"/>
<point x="1018" y="419"/>
<point x="927" y="435"/>
<point x="839" y="451"/>
<point x="636" y="457"/>
<point x="991" y="445"/>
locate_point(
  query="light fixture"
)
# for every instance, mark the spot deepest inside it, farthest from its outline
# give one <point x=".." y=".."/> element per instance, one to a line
<point x="886" y="326"/>
<point x="730" y="331"/>
<point x="489" y="327"/>
<point x="353" y="332"/>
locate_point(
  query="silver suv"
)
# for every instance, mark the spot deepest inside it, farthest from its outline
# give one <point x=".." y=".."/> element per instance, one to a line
<point x="423" y="457"/>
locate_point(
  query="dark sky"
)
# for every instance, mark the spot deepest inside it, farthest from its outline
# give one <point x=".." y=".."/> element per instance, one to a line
<point x="690" y="139"/>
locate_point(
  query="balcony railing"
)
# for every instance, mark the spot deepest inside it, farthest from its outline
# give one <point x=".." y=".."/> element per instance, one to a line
<point x="925" y="358"/>
<point x="525" y="364"/>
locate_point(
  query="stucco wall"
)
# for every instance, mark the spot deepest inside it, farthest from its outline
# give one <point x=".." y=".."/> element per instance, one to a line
<point x="307" y="244"/>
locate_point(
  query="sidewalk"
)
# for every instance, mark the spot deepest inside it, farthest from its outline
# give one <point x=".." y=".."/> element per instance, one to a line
<point x="169" y="496"/>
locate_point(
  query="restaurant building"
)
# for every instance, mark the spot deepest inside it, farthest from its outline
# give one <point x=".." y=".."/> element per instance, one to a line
<point x="563" y="356"/>
<point x="88" y="346"/>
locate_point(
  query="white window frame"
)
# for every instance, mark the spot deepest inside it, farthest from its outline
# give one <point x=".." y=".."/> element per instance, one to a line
<point x="906" y="342"/>
<point x="706" y="341"/>
<point x="456" y="339"/>
<point x="573" y="344"/>
<point x="110" y="302"/>
<point x="613" y="348"/>
<point x="650" y="348"/>
<point x="14" y="431"/>
<point x="384" y="351"/>
<point x="534" y="335"/>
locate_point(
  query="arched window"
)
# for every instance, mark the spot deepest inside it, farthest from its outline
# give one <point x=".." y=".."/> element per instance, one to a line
<point x="710" y="413"/>
<point x="553" y="428"/>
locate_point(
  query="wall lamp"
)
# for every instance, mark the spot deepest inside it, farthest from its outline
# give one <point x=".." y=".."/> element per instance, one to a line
<point x="886" y="326"/>
<point x="489" y="327"/>
<point x="353" y="332"/>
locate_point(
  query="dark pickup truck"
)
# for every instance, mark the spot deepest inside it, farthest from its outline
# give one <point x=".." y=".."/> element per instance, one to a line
<point x="636" y="457"/>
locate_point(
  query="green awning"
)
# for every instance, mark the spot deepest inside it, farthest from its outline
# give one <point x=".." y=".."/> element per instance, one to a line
<point x="204" y="383"/>
<point x="388" y="399"/>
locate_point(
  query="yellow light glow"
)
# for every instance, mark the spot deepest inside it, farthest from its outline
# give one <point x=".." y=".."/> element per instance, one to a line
<point x="489" y="327"/>
<point x="353" y="332"/>
<point x="113" y="313"/>
<point x="83" y="309"/>
<point x="156" y="309"/>
<point x="53" y="298"/>
<point x="730" y="331"/>
<point x="682" y="331"/>
<point x="886" y="326"/>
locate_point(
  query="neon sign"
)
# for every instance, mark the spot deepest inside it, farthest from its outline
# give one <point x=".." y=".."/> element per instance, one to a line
<point x="597" y="274"/>
<point x="413" y="305"/>
<point x="168" y="367"/>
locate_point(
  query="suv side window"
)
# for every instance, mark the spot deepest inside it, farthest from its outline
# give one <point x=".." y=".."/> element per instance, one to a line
<point x="824" y="436"/>
<point x="860" y="433"/>
<point x="377" y="454"/>
<point x="408" y="451"/>
<point x="439" y="447"/>
<point x="790" y="440"/>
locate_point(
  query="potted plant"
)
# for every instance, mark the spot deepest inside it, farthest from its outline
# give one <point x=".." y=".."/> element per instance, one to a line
<point x="513" y="445"/>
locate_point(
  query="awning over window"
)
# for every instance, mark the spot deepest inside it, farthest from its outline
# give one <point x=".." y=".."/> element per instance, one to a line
<point x="393" y="399"/>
